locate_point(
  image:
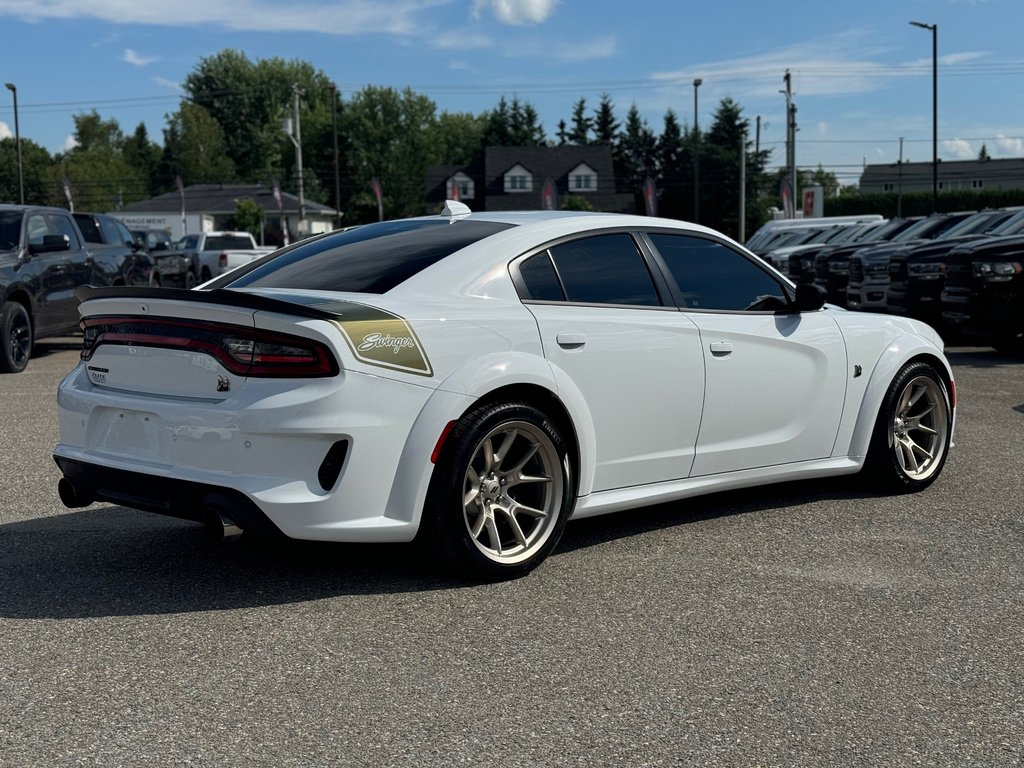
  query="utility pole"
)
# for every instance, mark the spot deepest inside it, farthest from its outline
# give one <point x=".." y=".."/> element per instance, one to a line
<point x="294" y="130"/>
<point x="743" y="185"/>
<point x="334" y="131"/>
<point x="757" y="137"/>
<point x="790" y="136"/>
<point x="899" y="189"/>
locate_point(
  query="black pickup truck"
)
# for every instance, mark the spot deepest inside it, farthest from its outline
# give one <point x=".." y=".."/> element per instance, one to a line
<point x="43" y="259"/>
<point x="117" y="258"/>
<point x="984" y="292"/>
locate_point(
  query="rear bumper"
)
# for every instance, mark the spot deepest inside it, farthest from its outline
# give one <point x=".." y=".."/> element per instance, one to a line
<point x="265" y="445"/>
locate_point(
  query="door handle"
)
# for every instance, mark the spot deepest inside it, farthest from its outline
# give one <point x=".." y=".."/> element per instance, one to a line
<point x="721" y="348"/>
<point x="571" y="340"/>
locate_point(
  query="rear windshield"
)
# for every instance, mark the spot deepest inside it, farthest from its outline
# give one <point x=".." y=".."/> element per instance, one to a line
<point x="228" y="243"/>
<point x="369" y="259"/>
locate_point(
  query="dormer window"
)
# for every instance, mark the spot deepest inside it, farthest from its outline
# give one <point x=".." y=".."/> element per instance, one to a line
<point x="582" y="178"/>
<point x="462" y="183"/>
<point x="518" y="179"/>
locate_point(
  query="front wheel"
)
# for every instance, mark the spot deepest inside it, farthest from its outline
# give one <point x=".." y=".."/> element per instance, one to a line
<point x="16" y="337"/>
<point x="501" y="493"/>
<point x="913" y="430"/>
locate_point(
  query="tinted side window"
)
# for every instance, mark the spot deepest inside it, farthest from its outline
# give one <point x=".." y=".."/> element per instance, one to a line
<point x="541" y="281"/>
<point x="90" y="231"/>
<point x="61" y="225"/>
<point x="710" y="275"/>
<point x="111" y="234"/>
<point x="606" y="269"/>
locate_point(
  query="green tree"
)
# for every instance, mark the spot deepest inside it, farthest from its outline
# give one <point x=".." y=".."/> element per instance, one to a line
<point x="513" y="125"/>
<point x="721" y="149"/>
<point x="637" y="150"/>
<point x="983" y="153"/>
<point x="37" y="172"/>
<point x="144" y="156"/>
<point x="99" y="176"/>
<point x="606" y="126"/>
<point x="249" y="100"/>
<point x="458" y="137"/>
<point x="194" y="148"/>
<point x="248" y="216"/>
<point x="675" y="169"/>
<point x="390" y="134"/>
<point x="582" y="125"/>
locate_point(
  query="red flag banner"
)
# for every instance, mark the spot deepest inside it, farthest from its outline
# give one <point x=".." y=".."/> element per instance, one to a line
<point x="549" y="196"/>
<point x="650" y="197"/>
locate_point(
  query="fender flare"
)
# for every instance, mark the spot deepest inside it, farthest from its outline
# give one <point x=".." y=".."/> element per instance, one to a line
<point x="456" y="395"/>
<point x="897" y="353"/>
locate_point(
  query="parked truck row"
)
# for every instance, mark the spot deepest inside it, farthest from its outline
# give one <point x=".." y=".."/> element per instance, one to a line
<point x="960" y="272"/>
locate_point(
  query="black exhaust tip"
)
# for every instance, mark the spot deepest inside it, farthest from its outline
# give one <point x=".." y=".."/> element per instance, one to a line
<point x="218" y="518"/>
<point x="72" y="496"/>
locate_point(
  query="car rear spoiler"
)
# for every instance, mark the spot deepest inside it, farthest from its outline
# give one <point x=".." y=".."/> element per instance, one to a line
<point x="219" y="296"/>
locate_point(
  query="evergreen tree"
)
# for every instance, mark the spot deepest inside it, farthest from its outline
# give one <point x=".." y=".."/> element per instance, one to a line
<point x="581" y="125"/>
<point x="637" y="150"/>
<point x="606" y="127"/>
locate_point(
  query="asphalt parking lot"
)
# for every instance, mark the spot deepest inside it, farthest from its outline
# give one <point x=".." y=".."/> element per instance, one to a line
<point x="808" y="624"/>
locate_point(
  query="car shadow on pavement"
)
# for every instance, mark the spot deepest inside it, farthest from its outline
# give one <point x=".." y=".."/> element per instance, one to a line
<point x="634" y="522"/>
<point x="980" y="357"/>
<point x="113" y="561"/>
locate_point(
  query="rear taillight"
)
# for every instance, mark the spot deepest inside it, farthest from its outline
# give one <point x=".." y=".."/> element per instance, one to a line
<point x="222" y="261"/>
<point x="243" y="351"/>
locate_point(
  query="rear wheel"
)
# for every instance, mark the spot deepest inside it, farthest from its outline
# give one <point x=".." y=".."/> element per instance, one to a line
<point x="913" y="430"/>
<point x="16" y="337"/>
<point x="501" y="493"/>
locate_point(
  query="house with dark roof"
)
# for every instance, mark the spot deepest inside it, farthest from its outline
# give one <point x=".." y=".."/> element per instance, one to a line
<point x="953" y="175"/>
<point x="524" y="178"/>
<point x="210" y="207"/>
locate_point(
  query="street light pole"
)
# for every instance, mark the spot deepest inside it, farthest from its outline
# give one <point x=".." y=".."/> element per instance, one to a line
<point x="696" y="155"/>
<point x="17" y="141"/>
<point x="934" y="29"/>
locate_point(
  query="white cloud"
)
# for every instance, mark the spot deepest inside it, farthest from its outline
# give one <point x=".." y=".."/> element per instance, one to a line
<point x="960" y="149"/>
<point x="5" y="131"/>
<point x="1009" y="146"/>
<point x="822" y="128"/>
<point x="70" y="143"/>
<point x="137" y="58"/>
<point x="516" y="12"/>
<point x="342" y="17"/>
<point x="601" y="48"/>
<point x="168" y="84"/>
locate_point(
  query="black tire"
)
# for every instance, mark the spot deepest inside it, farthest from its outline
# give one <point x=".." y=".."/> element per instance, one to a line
<point x="16" y="337"/>
<point x="912" y="432"/>
<point x="499" y="518"/>
<point x="190" y="280"/>
<point x="206" y="276"/>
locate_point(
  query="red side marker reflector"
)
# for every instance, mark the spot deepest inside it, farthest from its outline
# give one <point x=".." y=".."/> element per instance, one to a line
<point x="440" y="442"/>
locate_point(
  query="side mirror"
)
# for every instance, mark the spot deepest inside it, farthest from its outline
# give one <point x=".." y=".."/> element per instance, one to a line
<point x="809" y="297"/>
<point x="51" y="243"/>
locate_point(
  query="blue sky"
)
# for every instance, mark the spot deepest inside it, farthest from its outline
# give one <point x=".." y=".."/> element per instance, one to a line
<point x="861" y="73"/>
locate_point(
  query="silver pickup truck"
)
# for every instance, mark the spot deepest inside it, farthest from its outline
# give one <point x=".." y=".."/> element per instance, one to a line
<point x="214" y="253"/>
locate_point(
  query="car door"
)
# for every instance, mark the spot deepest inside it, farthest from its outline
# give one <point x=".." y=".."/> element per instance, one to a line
<point x="636" y="360"/>
<point x="775" y="378"/>
<point x="47" y="270"/>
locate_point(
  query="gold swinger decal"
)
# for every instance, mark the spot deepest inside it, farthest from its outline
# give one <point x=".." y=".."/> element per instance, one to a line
<point x="380" y="338"/>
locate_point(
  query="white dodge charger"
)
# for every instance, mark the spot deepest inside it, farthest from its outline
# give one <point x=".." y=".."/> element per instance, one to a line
<point x="473" y="380"/>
